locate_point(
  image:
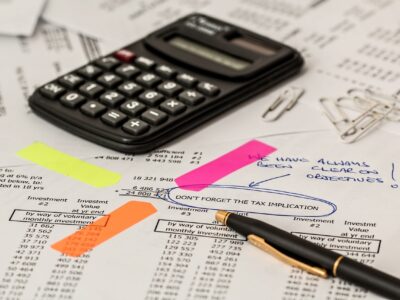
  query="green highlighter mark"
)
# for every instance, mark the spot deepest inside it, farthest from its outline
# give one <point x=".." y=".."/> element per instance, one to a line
<point x="68" y="165"/>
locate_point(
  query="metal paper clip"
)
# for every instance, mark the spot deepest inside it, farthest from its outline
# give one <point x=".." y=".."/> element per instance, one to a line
<point x="363" y="123"/>
<point x="283" y="103"/>
<point x="364" y="98"/>
<point x="351" y="129"/>
<point x="386" y="100"/>
<point x="335" y="114"/>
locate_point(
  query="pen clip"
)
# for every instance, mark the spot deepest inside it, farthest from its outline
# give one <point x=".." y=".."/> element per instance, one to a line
<point x="260" y="243"/>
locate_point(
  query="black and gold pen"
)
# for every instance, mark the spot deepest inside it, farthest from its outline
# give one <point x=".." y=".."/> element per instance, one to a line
<point x="310" y="257"/>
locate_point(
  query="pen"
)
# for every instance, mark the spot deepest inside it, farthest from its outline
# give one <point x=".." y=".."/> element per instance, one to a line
<point x="310" y="257"/>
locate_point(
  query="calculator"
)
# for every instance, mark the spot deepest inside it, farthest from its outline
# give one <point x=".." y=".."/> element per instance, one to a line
<point x="159" y="87"/>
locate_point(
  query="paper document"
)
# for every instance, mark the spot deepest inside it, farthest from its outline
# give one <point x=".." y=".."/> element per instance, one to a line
<point x="118" y="21"/>
<point x="344" y="201"/>
<point x="19" y="17"/>
<point x="80" y="221"/>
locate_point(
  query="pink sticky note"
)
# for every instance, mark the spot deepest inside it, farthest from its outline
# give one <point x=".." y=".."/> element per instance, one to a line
<point x="207" y="174"/>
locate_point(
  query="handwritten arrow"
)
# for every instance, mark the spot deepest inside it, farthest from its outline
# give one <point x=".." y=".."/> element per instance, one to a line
<point x="256" y="184"/>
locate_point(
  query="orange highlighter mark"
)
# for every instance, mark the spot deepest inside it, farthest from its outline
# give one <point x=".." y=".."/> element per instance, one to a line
<point x="96" y="233"/>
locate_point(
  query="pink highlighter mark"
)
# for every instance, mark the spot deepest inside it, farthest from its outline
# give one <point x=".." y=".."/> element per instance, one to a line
<point x="207" y="174"/>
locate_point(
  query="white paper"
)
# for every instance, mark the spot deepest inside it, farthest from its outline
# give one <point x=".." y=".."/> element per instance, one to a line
<point x="311" y="186"/>
<point x="19" y="17"/>
<point x="344" y="197"/>
<point x="118" y="21"/>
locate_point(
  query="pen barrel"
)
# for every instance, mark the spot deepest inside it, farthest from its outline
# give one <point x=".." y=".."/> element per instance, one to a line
<point x="369" y="278"/>
<point x="284" y="241"/>
<point x="337" y="265"/>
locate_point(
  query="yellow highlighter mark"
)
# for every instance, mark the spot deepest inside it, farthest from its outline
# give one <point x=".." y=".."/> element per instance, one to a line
<point x="68" y="165"/>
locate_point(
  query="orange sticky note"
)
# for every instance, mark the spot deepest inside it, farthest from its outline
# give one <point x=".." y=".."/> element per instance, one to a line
<point x="96" y="233"/>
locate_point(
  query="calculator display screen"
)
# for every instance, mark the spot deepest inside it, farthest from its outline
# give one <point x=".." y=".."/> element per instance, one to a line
<point x="209" y="53"/>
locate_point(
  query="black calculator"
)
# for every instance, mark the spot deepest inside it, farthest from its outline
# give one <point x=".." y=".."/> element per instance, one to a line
<point x="153" y="90"/>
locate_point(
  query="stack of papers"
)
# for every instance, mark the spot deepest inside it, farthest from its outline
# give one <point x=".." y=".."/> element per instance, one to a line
<point x="145" y="236"/>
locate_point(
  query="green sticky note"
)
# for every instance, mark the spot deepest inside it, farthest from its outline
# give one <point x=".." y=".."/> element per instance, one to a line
<point x="68" y="165"/>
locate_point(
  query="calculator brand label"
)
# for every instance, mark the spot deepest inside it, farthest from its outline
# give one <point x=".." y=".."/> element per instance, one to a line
<point x="206" y="26"/>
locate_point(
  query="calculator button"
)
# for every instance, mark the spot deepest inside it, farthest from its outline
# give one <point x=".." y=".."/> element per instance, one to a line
<point x="125" y="55"/>
<point x="132" y="108"/>
<point x="130" y="89"/>
<point x="109" y="80"/>
<point x="191" y="97"/>
<point x="72" y="99"/>
<point x="127" y="71"/>
<point x="148" y="80"/>
<point x="93" y="108"/>
<point x="113" y="118"/>
<point x="173" y="107"/>
<point x="71" y="81"/>
<point x="89" y="71"/>
<point x="91" y="89"/>
<point x="151" y="98"/>
<point x="52" y="90"/>
<point x="108" y="62"/>
<point x="208" y="89"/>
<point x="165" y="71"/>
<point x="111" y="98"/>
<point x="144" y="62"/>
<point x="169" y="88"/>
<point x="135" y="127"/>
<point x="154" y="116"/>
<point x="186" y="80"/>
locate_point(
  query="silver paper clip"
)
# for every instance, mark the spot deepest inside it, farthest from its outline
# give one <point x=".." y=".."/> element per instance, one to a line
<point x="351" y="129"/>
<point x="367" y="120"/>
<point x="386" y="102"/>
<point x="335" y="114"/>
<point x="283" y="103"/>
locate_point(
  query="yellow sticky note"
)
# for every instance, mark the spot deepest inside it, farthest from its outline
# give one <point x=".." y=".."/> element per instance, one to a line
<point x="68" y="165"/>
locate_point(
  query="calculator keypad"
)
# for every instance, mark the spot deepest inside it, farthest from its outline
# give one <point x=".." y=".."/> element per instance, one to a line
<point x="169" y="88"/>
<point x="136" y="127"/>
<point x="151" y="98"/>
<point x="108" y="62"/>
<point x="186" y="80"/>
<point x="125" y="55"/>
<point x="127" y="71"/>
<point x="109" y="80"/>
<point x="148" y="80"/>
<point x="72" y="99"/>
<point x="132" y="93"/>
<point x="130" y="89"/>
<point x="111" y="98"/>
<point x="191" y="97"/>
<point x="52" y="90"/>
<point x="173" y="107"/>
<point x="165" y="71"/>
<point x="91" y="89"/>
<point x="93" y="109"/>
<point x="89" y="71"/>
<point x="132" y="108"/>
<point x="113" y="118"/>
<point x="71" y="81"/>
<point x="144" y="63"/>
<point x="208" y="89"/>
<point x="154" y="116"/>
